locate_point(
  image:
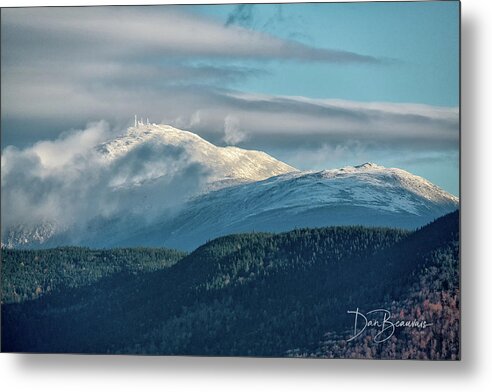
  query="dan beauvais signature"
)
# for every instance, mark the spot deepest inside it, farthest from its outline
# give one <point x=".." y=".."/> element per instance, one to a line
<point x="381" y="319"/>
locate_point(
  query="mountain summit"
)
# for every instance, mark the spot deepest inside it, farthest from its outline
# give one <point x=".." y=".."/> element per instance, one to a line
<point x="224" y="165"/>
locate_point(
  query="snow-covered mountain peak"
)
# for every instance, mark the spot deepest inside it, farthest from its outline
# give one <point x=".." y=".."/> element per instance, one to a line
<point x="377" y="175"/>
<point x="224" y="164"/>
<point x="161" y="134"/>
<point x="163" y="131"/>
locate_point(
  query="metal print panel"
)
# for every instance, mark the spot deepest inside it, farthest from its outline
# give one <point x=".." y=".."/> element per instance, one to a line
<point x="262" y="180"/>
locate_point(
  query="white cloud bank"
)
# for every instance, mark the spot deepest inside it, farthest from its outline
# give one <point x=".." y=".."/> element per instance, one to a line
<point x="68" y="182"/>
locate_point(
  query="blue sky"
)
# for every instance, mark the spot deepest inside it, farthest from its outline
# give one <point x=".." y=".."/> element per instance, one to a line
<point x="419" y="40"/>
<point x="316" y="85"/>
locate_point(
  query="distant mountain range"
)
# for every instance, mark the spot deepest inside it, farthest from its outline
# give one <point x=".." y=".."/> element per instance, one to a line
<point x="238" y="191"/>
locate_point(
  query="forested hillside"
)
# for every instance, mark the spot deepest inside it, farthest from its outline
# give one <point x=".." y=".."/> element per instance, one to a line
<point x="258" y="294"/>
<point x="29" y="274"/>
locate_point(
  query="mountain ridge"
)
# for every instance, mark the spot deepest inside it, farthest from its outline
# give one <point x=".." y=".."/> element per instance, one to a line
<point x="368" y="196"/>
<point x="231" y="190"/>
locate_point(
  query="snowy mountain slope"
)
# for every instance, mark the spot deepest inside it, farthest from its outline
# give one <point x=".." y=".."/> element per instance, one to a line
<point x="26" y="236"/>
<point x="145" y="189"/>
<point x="368" y="195"/>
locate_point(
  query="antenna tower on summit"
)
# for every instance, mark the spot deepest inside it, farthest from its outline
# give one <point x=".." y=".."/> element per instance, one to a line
<point x="139" y="123"/>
